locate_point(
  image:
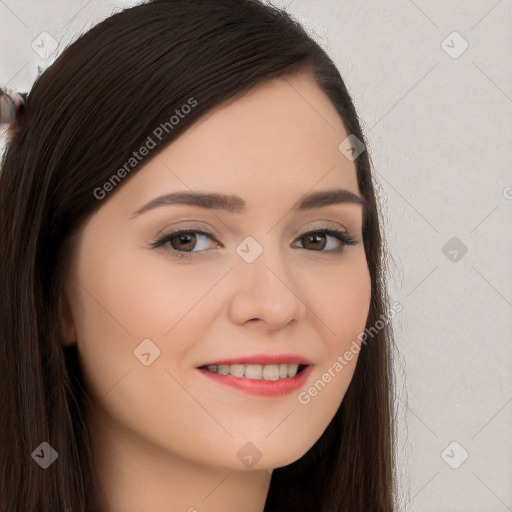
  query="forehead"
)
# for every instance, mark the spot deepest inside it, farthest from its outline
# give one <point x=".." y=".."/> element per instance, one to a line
<point x="279" y="140"/>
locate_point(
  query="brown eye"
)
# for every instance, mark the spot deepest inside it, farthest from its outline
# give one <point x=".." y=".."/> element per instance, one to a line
<point x="183" y="242"/>
<point x="314" y="241"/>
<point x="318" y="240"/>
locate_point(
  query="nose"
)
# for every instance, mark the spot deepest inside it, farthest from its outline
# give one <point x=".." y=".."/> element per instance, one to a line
<point x="265" y="292"/>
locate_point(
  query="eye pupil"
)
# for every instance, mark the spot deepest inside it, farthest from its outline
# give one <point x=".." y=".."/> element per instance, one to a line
<point x="315" y="237"/>
<point x="184" y="238"/>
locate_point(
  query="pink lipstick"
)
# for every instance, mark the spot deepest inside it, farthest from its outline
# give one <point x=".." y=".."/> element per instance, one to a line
<point x="260" y="374"/>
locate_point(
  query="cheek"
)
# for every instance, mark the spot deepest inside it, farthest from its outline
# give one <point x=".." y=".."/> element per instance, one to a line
<point x="124" y="299"/>
<point x="343" y="307"/>
<point x="341" y="303"/>
<point x="340" y="307"/>
<point x="118" y="306"/>
<point x="140" y="293"/>
<point x="157" y="292"/>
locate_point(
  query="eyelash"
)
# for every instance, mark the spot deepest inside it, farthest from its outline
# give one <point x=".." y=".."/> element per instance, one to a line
<point x="340" y="235"/>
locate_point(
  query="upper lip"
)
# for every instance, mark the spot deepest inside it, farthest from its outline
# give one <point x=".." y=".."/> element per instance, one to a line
<point x="262" y="359"/>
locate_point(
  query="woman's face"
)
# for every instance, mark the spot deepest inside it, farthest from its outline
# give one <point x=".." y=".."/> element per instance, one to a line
<point x="148" y="312"/>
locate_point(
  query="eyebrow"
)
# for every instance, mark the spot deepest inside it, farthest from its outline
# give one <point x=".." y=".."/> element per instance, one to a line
<point x="235" y="204"/>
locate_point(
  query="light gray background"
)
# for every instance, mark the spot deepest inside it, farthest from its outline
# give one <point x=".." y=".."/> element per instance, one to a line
<point x="439" y="130"/>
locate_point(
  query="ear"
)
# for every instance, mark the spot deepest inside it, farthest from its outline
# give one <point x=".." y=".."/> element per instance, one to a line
<point x="67" y="326"/>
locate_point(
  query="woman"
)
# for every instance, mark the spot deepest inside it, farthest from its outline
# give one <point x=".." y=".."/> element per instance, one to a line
<point x="192" y="275"/>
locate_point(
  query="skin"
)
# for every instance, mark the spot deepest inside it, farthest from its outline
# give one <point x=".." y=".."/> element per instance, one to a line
<point x="166" y="437"/>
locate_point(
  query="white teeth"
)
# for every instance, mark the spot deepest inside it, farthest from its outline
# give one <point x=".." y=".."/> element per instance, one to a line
<point x="253" y="371"/>
<point x="256" y="371"/>
<point x="223" y="369"/>
<point x="237" y="370"/>
<point x="292" y="369"/>
<point x="271" y="372"/>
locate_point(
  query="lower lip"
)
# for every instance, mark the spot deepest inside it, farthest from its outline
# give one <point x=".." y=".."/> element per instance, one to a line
<point x="262" y="387"/>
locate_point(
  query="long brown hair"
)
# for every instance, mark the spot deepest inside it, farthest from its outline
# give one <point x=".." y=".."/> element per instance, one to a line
<point x="84" y="116"/>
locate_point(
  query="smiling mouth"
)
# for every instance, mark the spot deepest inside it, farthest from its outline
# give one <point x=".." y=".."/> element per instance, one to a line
<point x="280" y="371"/>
